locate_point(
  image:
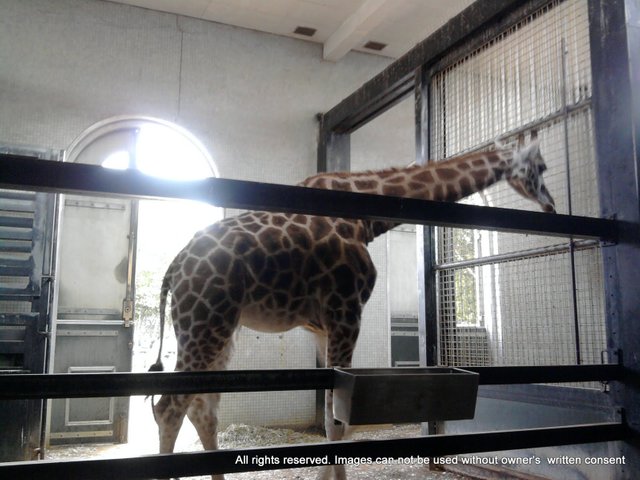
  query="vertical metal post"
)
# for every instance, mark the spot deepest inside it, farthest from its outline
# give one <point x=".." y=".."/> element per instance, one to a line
<point x="615" y="58"/>
<point x="128" y="303"/>
<point x="567" y="163"/>
<point x="427" y="304"/>
<point x="425" y="240"/>
<point x="334" y="154"/>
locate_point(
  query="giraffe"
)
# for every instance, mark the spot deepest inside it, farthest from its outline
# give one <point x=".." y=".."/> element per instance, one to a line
<point x="272" y="272"/>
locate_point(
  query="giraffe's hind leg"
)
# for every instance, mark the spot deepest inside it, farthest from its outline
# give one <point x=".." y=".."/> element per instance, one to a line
<point x="205" y="345"/>
<point x="169" y="414"/>
<point x="203" y="414"/>
<point x="170" y="410"/>
<point x="203" y="410"/>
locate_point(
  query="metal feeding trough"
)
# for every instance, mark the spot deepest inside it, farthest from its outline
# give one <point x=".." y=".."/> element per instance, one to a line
<point x="364" y="396"/>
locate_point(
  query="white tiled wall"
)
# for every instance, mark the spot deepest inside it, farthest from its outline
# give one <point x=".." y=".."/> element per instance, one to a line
<point x="251" y="99"/>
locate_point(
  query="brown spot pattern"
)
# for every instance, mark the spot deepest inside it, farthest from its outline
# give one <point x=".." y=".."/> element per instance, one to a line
<point x="446" y="174"/>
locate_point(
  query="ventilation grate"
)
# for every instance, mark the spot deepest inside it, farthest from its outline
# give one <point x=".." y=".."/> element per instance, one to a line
<point x="305" y="31"/>
<point x="375" y="46"/>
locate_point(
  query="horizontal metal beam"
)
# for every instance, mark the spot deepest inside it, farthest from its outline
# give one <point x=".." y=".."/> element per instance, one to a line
<point x="547" y="374"/>
<point x="31" y="173"/>
<point x="233" y="461"/>
<point x="81" y="385"/>
<point x="517" y="255"/>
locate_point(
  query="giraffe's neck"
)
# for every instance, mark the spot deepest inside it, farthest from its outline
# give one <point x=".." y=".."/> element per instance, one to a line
<point x="449" y="180"/>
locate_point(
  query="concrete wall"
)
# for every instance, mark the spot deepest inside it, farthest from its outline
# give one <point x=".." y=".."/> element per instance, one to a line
<point x="250" y="98"/>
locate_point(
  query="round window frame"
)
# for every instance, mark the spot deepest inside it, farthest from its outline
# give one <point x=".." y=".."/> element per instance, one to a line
<point x="131" y="122"/>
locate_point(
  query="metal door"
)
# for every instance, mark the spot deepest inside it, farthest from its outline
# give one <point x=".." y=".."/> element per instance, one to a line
<point x="93" y="324"/>
<point x="94" y="332"/>
<point x="26" y="273"/>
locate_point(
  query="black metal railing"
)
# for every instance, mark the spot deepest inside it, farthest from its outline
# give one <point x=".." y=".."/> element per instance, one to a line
<point x="234" y="461"/>
<point x="26" y="173"/>
<point x="81" y="385"/>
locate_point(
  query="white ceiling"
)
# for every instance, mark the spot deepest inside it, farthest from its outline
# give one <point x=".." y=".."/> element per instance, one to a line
<point x="342" y="25"/>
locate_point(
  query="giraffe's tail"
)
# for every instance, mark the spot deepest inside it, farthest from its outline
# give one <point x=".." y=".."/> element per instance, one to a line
<point x="158" y="367"/>
<point x="164" y="291"/>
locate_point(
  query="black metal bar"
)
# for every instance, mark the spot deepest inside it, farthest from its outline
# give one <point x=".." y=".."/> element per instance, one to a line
<point x="567" y="162"/>
<point x="30" y="173"/>
<point x="427" y="296"/>
<point x="474" y="26"/>
<point x="334" y="154"/>
<point x="81" y="385"/>
<point x="123" y="384"/>
<point x="587" y="399"/>
<point x="276" y="458"/>
<point x="517" y="255"/>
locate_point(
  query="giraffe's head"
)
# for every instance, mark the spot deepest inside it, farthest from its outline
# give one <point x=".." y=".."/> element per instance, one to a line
<point x="525" y="174"/>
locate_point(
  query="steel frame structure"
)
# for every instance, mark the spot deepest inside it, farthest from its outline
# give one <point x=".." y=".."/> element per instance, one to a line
<point x="615" y="103"/>
<point x="615" y="45"/>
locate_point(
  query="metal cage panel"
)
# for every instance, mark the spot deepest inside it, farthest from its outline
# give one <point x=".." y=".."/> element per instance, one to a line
<point x="505" y="299"/>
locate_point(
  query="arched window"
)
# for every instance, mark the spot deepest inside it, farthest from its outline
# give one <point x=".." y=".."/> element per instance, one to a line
<point x="156" y="147"/>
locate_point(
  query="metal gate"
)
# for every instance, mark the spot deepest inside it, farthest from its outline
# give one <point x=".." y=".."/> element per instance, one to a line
<point x="26" y="272"/>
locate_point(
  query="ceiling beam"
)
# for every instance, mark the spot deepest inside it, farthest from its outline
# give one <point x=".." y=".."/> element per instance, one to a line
<point x="355" y="28"/>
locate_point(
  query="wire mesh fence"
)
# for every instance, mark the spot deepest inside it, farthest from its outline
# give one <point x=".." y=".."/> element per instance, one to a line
<point x="544" y="305"/>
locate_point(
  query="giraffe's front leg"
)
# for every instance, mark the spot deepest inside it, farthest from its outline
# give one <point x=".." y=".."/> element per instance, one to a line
<point x="339" y="352"/>
<point x="203" y="414"/>
<point x="335" y="430"/>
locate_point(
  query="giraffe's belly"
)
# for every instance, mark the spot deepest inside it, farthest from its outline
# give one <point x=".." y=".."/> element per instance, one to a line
<point x="268" y="321"/>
